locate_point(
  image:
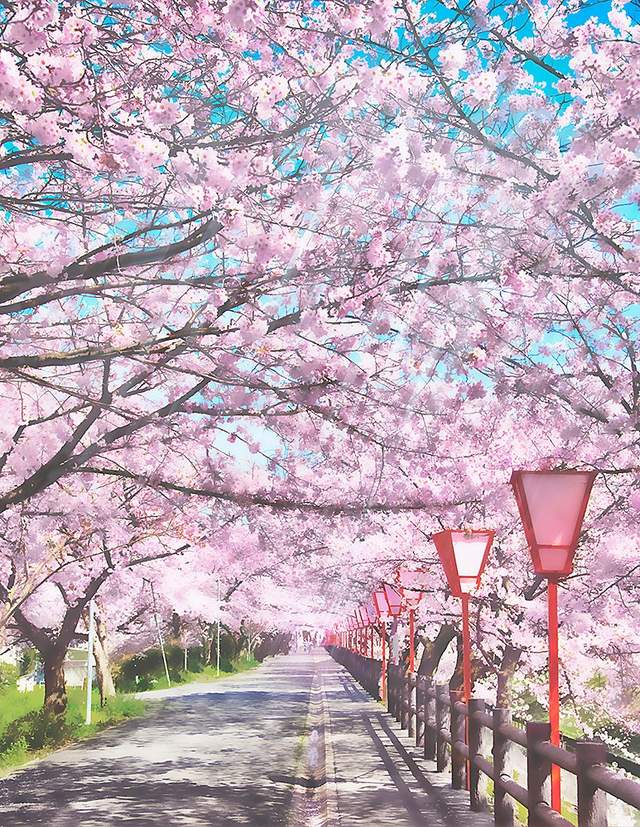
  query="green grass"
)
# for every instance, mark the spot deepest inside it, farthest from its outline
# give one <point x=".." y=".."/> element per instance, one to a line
<point x="521" y="812"/>
<point x="206" y="675"/>
<point x="26" y="733"/>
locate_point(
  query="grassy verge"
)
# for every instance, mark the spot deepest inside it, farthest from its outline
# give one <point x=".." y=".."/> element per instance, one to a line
<point x="27" y="733"/>
<point x="204" y="675"/>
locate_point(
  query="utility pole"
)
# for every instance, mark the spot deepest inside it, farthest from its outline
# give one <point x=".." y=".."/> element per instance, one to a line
<point x="218" y="634"/>
<point x="157" y="620"/>
<point x="87" y="718"/>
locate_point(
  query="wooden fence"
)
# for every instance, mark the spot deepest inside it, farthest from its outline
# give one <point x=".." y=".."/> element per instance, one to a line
<point x="452" y="735"/>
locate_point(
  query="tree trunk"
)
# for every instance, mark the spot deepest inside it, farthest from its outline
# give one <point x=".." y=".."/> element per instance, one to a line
<point x="103" y="663"/>
<point x="457" y="679"/>
<point x="55" y="690"/>
<point x="509" y="664"/>
<point x="207" y="645"/>
<point x="434" y="650"/>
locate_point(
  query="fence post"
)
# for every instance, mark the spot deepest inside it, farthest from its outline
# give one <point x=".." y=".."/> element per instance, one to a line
<point x="429" y="720"/>
<point x="477" y="785"/>
<point x="396" y="691"/>
<point x="538" y="770"/>
<point x="399" y="694"/>
<point x="441" y="722"/>
<point x="420" y="709"/>
<point x="592" y="801"/>
<point x="404" y="704"/>
<point x="413" y="703"/>
<point x="503" y="810"/>
<point x="390" y="688"/>
<point x="458" y="762"/>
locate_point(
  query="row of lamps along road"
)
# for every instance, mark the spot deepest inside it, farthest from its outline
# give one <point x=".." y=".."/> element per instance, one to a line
<point x="552" y="505"/>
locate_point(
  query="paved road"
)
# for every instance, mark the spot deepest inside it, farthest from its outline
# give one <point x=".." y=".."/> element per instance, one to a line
<point x="212" y="754"/>
<point x="294" y="743"/>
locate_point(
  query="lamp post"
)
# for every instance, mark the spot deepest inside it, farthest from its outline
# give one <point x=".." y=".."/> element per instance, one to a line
<point x="354" y="634"/>
<point x="411" y="597"/>
<point x="463" y="554"/>
<point x="380" y="606"/>
<point x="361" y="628"/>
<point x="552" y="505"/>
<point x="372" y="617"/>
<point x="393" y="600"/>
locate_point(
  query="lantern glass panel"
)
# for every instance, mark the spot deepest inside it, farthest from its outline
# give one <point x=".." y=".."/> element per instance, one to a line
<point x="554" y="560"/>
<point x="413" y="578"/>
<point x="555" y="502"/>
<point x="380" y="605"/>
<point x="468" y="584"/>
<point x="411" y="598"/>
<point x="393" y="600"/>
<point x="469" y="550"/>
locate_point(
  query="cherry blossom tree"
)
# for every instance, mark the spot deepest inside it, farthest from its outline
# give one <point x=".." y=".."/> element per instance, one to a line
<point x="286" y="287"/>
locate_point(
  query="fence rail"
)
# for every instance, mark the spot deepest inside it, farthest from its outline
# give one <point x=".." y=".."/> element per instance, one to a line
<point x="452" y="735"/>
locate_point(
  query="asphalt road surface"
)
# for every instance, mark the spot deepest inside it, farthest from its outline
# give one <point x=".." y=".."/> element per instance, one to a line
<point x="211" y="754"/>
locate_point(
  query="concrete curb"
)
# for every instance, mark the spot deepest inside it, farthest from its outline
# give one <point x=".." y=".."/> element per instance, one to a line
<point x="315" y="802"/>
<point x="330" y="788"/>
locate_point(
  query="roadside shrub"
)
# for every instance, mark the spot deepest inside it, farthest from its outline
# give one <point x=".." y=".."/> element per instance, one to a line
<point x="17" y="753"/>
<point x="8" y="675"/>
<point x="28" y="661"/>
<point x="36" y="730"/>
<point x="138" y="673"/>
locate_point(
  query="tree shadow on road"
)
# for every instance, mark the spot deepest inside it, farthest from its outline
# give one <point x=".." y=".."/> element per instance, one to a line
<point x="214" y="758"/>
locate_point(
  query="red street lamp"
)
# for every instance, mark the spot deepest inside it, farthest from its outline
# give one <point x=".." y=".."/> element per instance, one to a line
<point x="463" y="554"/>
<point x="380" y="606"/>
<point x="363" y="616"/>
<point x="552" y="505"/>
<point x="405" y="578"/>
<point x="361" y="623"/>
<point x="351" y="626"/>
<point x="372" y="617"/>
<point x="393" y="600"/>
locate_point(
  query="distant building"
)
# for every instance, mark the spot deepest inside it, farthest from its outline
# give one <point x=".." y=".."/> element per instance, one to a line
<point x="75" y="671"/>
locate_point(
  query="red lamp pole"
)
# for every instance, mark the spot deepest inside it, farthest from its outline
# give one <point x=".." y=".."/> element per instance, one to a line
<point x="412" y="645"/>
<point x="463" y="554"/>
<point x="386" y="602"/>
<point x="552" y="505"/>
<point x="466" y="649"/>
<point x="406" y="578"/>
<point x="554" y="689"/>
<point x="383" y="638"/>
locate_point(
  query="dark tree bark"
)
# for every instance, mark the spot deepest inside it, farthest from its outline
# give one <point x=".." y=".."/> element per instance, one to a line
<point x="435" y="649"/>
<point x="457" y="679"/>
<point x="53" y="645"/>
<point x="55" y="689"/>
<point x="508" y="666"/>
<point x="274" y="644"/>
